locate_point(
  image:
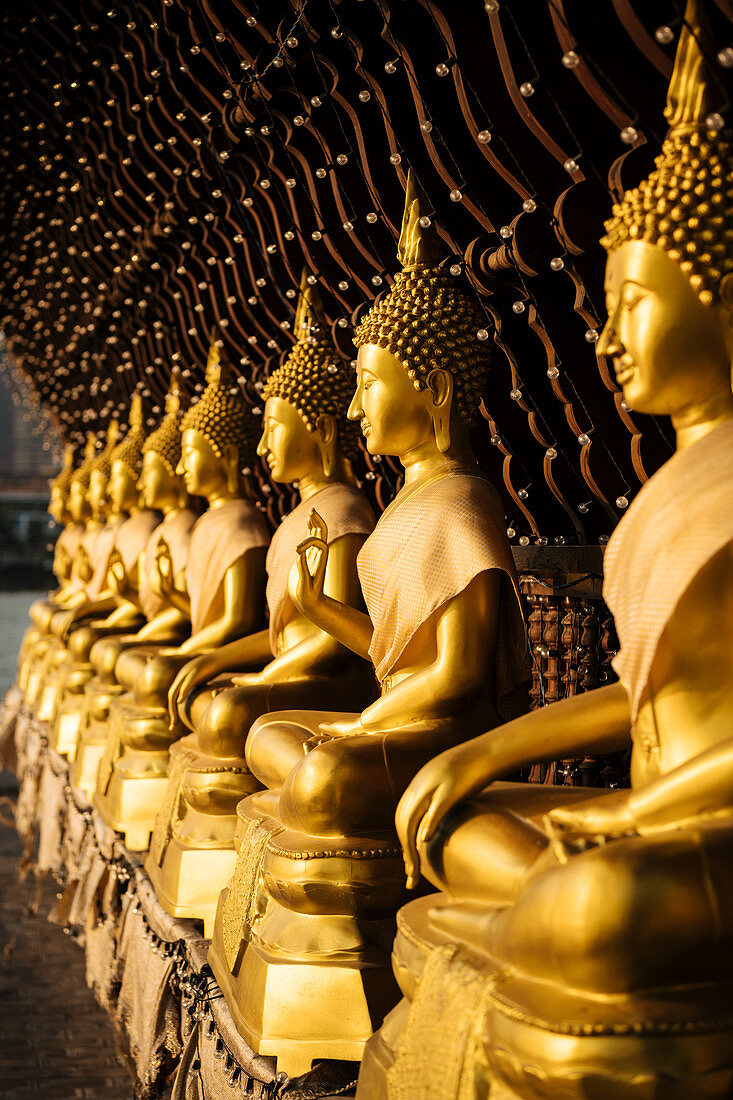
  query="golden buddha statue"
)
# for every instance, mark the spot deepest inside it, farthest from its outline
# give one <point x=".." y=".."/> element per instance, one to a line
<point x="306" y="439"/>
<point x="163" y="491"/>
<point x="223" y="596"/>
<point x="591" y="941"/>
<point x="302" y="935"/>
<point x="88" y="504"/>
<point x="63" y="511"/>
<point x="119" y="549"/>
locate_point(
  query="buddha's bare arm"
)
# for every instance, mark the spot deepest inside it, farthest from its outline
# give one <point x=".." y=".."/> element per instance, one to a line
<point x="161" y="626"/>
<point x="597" y="721"/>
<point x="243" y="588"/>
<point x="335" y="617"/>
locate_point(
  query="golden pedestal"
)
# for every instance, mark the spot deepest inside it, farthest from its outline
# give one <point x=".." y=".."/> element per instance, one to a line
<point x="302" y="938"/>
<point x="92" y="739"/>
<point x="67" y="710"/>
<point x="131" y="782"/>
<point x="43" y="670"/>
<point x="536" y="1041"/>
<point x="192" y="853"/>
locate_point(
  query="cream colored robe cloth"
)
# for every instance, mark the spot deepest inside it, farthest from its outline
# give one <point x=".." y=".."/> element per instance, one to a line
<point x="99" y="546"/>
<point x="133" y="534"/>
<point x="681" y="518"/>
<point x="175" y="530"/>
<point x="427" y="547"/>
<point x="219" y="538"/>
<point x="345" y="511"/>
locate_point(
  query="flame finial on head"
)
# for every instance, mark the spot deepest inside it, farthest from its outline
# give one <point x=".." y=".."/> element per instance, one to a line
<point x="694" y="93"/>
<point x="419" y="246"/>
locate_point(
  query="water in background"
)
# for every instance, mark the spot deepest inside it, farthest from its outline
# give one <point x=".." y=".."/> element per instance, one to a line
<point x="13" y="622"/>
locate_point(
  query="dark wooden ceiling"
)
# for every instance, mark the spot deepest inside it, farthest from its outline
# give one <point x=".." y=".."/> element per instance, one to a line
<point x="171" y="164"/>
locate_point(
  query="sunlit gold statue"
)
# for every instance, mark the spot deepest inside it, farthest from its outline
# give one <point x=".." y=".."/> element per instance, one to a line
<point x="223" y="595"/>
<point x="161" y="490"/>
<point x="120" y="548"/>
<point x="302" y="935"/>
<point x="67" y="544"/>
<point x="87" y="500"/>
<point x="34" y="653"/>
<point x="306" y="439"/>
<point x="593" y="955"/>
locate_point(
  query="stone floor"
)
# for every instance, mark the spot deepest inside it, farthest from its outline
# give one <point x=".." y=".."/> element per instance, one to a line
<point x="55" y="1041"/>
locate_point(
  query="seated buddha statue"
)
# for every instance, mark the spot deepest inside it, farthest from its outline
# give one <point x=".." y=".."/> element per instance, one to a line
<point x="64" y="511"/>
<point x="302" y="935"/>
<point x="39" y="639"/>
<point x="597" y="935"/>
<point x="223" y="596"/>
<point x="163" y="491"/>
<point x="306" y="440"/>
<point x="129" y="526"/>
<point x="88" y="498"/>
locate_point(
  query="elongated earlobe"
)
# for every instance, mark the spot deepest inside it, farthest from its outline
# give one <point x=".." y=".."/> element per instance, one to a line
<point x="440" y="387"/>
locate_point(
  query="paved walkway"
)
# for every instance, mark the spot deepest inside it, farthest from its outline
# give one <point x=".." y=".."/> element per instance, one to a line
<point x="55" y="1041"/>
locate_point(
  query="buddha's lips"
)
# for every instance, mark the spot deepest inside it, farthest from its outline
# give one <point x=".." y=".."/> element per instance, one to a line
<point x="365" y="427"/>
<point x="623" y="368"/>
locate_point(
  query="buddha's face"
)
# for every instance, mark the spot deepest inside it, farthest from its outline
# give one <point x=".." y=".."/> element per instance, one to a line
<point x="393" y="415"/>
<point x="57" y="506"/>
<point x="157" y="485"/>
<point x="668" y="349"/>
<point x="203" y="472"/>
<point x="122" y="487"/>
<point x="289" y="449"/>
<point x="97" y="494"/>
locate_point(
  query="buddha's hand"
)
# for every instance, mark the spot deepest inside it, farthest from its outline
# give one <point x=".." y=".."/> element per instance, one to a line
<point x="66" y="623"/>
<point x="83" y="565"/>
<point x="192" y="674"/>
<point x="327" y="731"/>
<point x="605" y="817"/>
<point x="452" y="777"/>
<point x="116" y="573"/>
<point x="312" y="561"/>
<point x="162" y="580"/>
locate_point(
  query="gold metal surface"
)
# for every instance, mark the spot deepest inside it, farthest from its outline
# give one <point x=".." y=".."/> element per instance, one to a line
<point x="291" y="664"/>
<point x="312" y="975"/>
<point x="600" y="931"/>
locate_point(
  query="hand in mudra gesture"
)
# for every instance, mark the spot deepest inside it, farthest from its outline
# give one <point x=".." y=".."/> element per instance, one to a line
<point x="312" y="561"/>
<point x="116" y="573"/>
<point x="163" y="573"/>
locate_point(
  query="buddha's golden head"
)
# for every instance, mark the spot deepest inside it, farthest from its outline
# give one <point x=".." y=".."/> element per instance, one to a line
<point x="60" y="486"/>
<point x="305" y="427"/>
<point x="217" y="432"/>
<point x="428" y="326"/>
<point x="669" y="273"/>
<point x="126" y="462"/>
<point x="159" y="484"/>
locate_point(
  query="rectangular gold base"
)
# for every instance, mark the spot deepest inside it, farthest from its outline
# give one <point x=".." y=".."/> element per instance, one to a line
<point x="299" y="1012"/>
<point x="129" y="806"/>
<point x="189" y="881"/>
